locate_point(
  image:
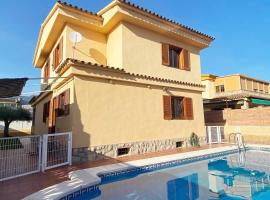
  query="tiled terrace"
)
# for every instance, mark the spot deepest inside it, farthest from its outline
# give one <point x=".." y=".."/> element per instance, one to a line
<point x="21" y="187"/>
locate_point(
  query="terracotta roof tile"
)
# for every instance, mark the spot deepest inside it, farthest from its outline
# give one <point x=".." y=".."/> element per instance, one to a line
<point x="164" y="18"/>
<point x="142" y="9"/>
<point x="128" y="73"/>
<point x="76" y="7"/>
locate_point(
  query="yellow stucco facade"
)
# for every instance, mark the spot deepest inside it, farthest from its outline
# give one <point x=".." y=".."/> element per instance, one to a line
<point x="115" y="75"/>
<point x="232" y="83"/>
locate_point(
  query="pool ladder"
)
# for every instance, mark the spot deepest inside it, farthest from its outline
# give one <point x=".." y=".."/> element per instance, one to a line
<point x="238" y="140"/>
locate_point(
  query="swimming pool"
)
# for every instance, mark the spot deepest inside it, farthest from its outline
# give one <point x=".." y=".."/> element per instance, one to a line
<point x="242" y="175"/>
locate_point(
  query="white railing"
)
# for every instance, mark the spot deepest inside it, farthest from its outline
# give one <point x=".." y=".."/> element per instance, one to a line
<point x="21" y="156"/>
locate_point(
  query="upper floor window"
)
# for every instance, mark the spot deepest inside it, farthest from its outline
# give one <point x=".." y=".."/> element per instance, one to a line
<point x="58" y="54"/>
<point x="176" y="57"/>
<point x="175" y="107"/>
<point x="220" y="88"/>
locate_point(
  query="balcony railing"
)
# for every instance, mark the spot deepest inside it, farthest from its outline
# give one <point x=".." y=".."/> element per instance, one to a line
<point x="242" y="94"/>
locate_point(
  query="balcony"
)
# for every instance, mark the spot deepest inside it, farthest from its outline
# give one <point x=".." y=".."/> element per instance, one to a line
<point x="241" y="94"/>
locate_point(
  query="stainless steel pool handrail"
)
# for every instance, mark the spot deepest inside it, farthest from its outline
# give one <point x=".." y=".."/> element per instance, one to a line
<point x="238" y="140"/>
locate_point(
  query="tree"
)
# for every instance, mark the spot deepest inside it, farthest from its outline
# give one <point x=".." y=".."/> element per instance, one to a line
<point x="9" y="114"/>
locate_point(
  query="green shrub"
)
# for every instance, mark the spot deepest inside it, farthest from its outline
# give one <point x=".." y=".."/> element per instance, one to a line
<point x="194" y="140"/>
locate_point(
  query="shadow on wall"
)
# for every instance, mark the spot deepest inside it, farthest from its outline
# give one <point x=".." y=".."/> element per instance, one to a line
<point x="93" y="53"/>
<point x="82" y="140"/>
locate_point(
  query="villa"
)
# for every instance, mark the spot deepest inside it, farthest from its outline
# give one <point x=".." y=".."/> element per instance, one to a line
<point x="234" y="91"/>
<point x="124" y="80"/>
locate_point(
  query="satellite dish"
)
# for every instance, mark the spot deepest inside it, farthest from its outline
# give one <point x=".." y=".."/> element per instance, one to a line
<point x="75" y="37"/>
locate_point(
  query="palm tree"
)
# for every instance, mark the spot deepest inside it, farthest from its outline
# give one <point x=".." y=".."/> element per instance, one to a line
<point x="9" y="114"/>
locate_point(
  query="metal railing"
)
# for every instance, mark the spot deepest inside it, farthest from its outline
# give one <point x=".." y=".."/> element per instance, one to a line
<point x="21" y="156"/>
<point x="56" y="150"/>
<point x="238" y="140"/>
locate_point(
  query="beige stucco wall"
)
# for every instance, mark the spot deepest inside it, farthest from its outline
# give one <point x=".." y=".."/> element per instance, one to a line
<point x="209" y="91"/>
<point x="142" y="54"/>
<point x="119" y="112"/>
<point x="115" y="47"/>
<point x="231" y="83"/>
<point x="92" y="47"/>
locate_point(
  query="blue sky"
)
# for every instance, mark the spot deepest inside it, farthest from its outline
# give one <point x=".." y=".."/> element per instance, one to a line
<point x="241" y="29"/>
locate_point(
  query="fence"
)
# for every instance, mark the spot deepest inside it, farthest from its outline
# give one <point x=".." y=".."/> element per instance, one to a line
<point x="30" y="154"/>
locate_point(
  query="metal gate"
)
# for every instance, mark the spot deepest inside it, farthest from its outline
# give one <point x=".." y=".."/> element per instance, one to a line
<point x="25" y="155"/>
<point x="215" y="134"/>
<point x="56" y="150"/>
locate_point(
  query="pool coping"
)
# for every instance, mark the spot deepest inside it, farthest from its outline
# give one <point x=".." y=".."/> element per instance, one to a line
<point x="85" y="180"/>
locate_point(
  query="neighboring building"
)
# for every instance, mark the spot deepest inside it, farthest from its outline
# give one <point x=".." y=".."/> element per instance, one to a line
<point x="234" y="91"/>
<point x="130" y="84"/>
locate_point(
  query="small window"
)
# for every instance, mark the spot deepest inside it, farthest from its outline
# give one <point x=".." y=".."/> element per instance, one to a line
<point x="220" y="88"/>
<point x="179" y="144"/>
<point x="176" y="107"/>
<point x="122" y="151"/>
<point x="63" y="101"/>
<point x="175" y="57"/>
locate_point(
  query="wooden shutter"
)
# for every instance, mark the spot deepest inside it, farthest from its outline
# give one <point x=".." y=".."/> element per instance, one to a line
<point x="60" y="53"/>
<point x="167" y="107"/>
<point x="188" y="108"/>
<point x="50" y="119"/>
<point x="184" y="60"/>
<point x="56" y="106"/>
<point x="165" y="54"/>
<point x="67" y="101"/>
<point x="54" y="59"/>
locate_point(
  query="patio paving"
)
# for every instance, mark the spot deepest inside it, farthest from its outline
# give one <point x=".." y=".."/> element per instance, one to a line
<point x="21" y="187"/>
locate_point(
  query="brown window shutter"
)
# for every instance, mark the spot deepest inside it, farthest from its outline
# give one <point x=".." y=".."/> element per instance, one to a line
<point x="188" y="108"/>
<point x="167" y="107"/>
<point x="60" y="51"/>
<point x="54" y="59"/>
<point x="165" y="54"/>
<point x="67" y="101"/>
<point x="56" y="105"/>
<point x="49" y="66"/>
<point x="50" y="119"/>
<point x="184" y="60"/>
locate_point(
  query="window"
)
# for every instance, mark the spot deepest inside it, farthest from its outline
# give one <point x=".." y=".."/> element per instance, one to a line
<point x="58" y="54"/>
<point x="175" y="57"/>
<point x="63" y="104"/>
<point x="175" y="107"/>
<point x="220" y="88"/>
<point x="122" y="151"/>
<point x="179" y="144"/>
<point x="46" y="110"/>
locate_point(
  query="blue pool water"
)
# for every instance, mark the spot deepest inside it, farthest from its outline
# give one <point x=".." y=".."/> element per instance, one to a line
<point x="236" y="176"/>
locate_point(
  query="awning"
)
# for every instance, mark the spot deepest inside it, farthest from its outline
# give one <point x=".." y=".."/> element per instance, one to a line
<point x="260" y="101"/>
<point x="11" y="87"/>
